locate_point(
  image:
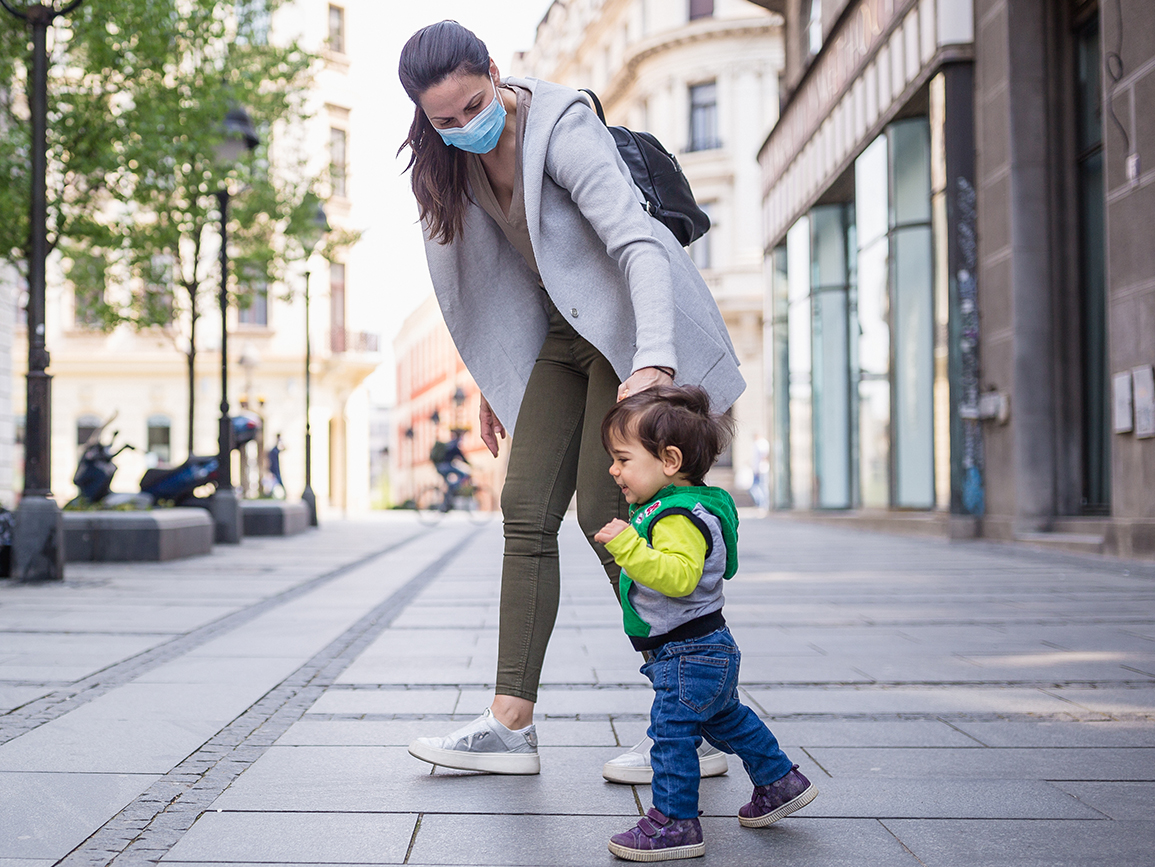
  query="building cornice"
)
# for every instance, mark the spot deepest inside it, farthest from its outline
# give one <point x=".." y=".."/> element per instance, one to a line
<point x="708" y="30"/>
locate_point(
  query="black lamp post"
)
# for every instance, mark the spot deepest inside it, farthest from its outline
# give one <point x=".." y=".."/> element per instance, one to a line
<point x="38" y="539"/>
<point x="238" y="137"/>
<point x="317" y="227"/>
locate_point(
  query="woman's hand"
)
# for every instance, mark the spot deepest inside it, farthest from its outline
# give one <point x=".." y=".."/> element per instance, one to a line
<point x="640" y="380"/>
<point x="610" y="530"/>
<point x="491" y="426"/>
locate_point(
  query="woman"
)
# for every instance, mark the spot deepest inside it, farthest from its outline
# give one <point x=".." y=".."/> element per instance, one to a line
<point x="562" y="296"/>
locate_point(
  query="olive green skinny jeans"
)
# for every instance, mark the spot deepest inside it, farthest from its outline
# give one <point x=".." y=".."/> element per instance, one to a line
<point x="557" y="449"/>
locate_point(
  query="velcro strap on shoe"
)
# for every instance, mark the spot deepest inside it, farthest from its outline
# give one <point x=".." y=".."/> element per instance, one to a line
<point x="647" y="827"/>
<point x="653" y="822"/>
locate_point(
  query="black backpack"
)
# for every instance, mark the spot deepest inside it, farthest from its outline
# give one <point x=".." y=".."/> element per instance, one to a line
<point x="657" y="174"/>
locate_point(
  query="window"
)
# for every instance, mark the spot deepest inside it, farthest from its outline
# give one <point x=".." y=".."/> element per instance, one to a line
<point x="253" y="308"/>
<point x="700" y="251"/>
<point x="337" y="306"/>
<point x="159" y="430"/>
<point x="336" y="29"/>
<point x="701" y="9"/>
<point x="704" y="116"/>
<point x="1096" y="495"/>
<point x="338" y="143"/>
<point x="86" y="426"/>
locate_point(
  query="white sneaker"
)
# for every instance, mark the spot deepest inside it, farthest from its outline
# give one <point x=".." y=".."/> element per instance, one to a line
<point x="633" y="768"/>
<point x="482" y="745"/>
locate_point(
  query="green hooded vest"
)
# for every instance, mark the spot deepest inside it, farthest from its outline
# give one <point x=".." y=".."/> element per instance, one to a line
<point x="681" y="500"/>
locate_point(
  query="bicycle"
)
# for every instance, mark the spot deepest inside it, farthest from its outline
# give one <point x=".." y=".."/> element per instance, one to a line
<point x="433" y="503"/>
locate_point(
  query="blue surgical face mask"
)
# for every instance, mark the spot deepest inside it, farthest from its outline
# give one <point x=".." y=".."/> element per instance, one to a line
<point x="480" y="135"/>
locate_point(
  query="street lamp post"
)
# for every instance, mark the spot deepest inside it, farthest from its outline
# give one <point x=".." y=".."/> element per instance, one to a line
<point x="38" y="538"/>
<point x="318" y="226"/>
<point x="239" y="136"/>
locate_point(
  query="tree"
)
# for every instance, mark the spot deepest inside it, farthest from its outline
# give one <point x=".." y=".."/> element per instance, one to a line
<point x="139" y="90"/>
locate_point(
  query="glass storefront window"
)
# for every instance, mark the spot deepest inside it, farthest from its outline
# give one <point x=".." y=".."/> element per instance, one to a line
<point x="780" y="373"/>
<point x="871" y="209"/>
<point x="830" y="357"/>
<point x="912" y="278"/>
<point x="798" y="324"/>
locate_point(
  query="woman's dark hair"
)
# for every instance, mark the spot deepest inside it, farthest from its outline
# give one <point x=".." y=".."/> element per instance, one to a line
<point x="431" y="55"/>
<point x="672" y="415"/>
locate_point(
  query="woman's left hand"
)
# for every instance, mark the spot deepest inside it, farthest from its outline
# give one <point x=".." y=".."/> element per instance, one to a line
<point x="640" y="380"/>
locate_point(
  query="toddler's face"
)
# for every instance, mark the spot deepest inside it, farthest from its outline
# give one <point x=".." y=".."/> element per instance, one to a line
<point x="638" y="473"/>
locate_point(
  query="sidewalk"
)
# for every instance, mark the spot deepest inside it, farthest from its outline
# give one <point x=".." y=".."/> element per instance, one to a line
<point x="957" y="704"/>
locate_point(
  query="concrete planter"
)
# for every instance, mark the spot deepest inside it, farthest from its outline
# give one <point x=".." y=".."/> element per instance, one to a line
<point x="274" y="517"/>
<point x="156" y="535"/>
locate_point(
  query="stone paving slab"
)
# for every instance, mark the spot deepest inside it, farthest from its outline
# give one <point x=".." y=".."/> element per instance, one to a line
<point x="46" y="815"/>
<point x="581" y="842"/>
<point x="936" y="699"/>
<point x="304" y="838"/>
<point x="939" y="843"/>
<point x="1127" y="801"/>
<point x="103" y="746"/>
<point x="862" y="734"/>
<point x="1100" y="733"/>
<point x="551" y="733"/>
<point x="1037" y="763"/>
<point x="382" y="779"/>
<point x="387" y="701"/>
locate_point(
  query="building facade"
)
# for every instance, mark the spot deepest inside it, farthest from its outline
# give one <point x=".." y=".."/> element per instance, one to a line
<point x="951" y="201"/>
<point x="142" y="376"/>
<point x="701" y="75"/>
<point x="435" y="395"/>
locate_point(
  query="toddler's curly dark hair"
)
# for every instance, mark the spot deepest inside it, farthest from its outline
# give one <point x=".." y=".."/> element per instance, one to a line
<point x="672" y="415"/>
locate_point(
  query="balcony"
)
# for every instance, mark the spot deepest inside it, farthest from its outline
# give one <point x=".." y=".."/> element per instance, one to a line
<point x="344" y="340"/>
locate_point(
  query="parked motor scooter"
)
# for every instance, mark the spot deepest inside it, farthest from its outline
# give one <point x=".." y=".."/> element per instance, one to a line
<point x="94" y="472"/>
<point x="179" y="484"/>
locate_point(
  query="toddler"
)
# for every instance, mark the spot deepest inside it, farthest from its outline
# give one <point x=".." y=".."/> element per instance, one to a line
<point x="680" y="544"/>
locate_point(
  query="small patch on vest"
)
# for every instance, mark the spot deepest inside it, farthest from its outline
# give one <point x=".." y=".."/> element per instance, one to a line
<point x="652" y="508"/>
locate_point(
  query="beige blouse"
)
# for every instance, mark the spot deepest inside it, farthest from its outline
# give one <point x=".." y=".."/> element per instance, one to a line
<point x="513" y="224"/>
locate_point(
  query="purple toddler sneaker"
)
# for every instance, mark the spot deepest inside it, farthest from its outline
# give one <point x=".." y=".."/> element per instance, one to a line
<point x="660" y="838"/>
<point x="770" y="803"/>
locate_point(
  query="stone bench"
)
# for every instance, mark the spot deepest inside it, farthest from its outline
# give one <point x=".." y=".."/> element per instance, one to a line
<point x="154" y="535"/>
<point x="274" y="517"/>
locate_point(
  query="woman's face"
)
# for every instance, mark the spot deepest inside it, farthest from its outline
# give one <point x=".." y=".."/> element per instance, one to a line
<point x="458" y="99"/>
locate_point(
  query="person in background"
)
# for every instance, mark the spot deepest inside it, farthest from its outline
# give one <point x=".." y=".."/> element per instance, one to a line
<point x="445" y="457"/>
<point x="275" y="466"/>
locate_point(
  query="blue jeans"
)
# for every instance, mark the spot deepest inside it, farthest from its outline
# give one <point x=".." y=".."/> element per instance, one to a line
<point x="695" y="696"/>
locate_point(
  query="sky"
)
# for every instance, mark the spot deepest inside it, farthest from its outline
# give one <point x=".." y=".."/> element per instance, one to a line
<point x="385" y="209"/>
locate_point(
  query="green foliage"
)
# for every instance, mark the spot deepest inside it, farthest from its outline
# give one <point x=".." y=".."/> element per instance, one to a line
<point x="138" y="89"/>
<point x="137" y="92"/>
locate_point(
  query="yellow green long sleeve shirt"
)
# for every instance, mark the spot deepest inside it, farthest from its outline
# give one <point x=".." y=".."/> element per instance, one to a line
<point x="673" y="566"/>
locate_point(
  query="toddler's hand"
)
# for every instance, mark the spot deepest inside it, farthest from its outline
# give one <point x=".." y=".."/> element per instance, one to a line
<point x="610" y="530"/>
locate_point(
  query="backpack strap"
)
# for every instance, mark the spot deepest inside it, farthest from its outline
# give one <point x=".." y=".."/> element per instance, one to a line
<point x="595" y="102"/>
